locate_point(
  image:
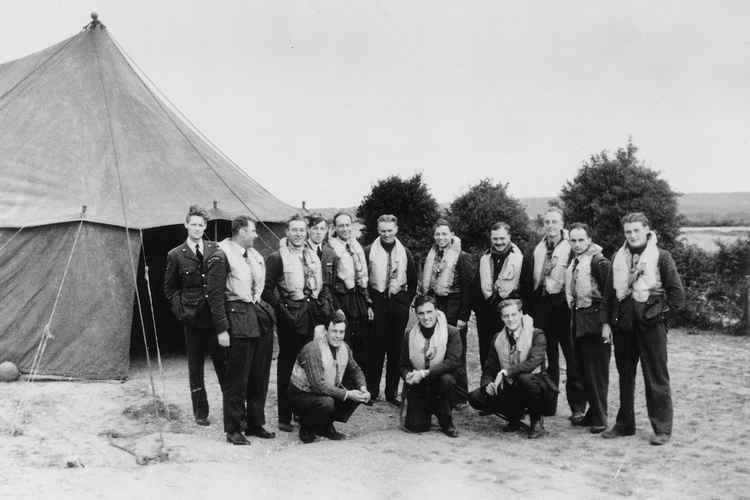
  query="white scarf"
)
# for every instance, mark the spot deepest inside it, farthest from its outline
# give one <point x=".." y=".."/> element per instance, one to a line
<point x="555" y="279"/>
<point x="301" y="269"/>
<point x="439" y="275"/>
<point x="523" y="345"/>
<point x="507" y="278"/>
<point x="352" y="264"/>
<point x="639" y="280"/>
<point x="580" y="285"/>
<point x="424" y="352"/>
<point x="379" y="260"/>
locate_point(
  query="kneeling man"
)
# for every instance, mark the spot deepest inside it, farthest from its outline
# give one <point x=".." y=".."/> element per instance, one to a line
<point x="512" y="380"/>
<point x="430" y="358"/>
<point x="317" y="390"/>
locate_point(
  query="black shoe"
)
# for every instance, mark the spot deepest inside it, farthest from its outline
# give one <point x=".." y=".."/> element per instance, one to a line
<point x="394" y="401"/>
<point x="306" y="435"/>
<point x="450" y="431"/>
<point x="237" y="438"/>
<point x="659" y="439"/>
<point x="512" y="426"/>
<point x="260" y="432"/>
<point x="537" y="429"/>
<point x="596" y="429"/>
<point x="332" y="433"/>
<point x="617" y="431"/>
<point x="285" y="426"/>
<point x="202" y="421"/>
<point x="580" y="419"/>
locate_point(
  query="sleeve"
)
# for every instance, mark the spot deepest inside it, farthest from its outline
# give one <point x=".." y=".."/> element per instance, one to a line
<point x="411" y="274"/>
<point x="405" y="362"/>
<point x="311" y="362"/>
<point x="452" y="359"/>
<point x="171" y="277"/>
<point x="535" y="357"/>
<point x="216" y="281"/>
<point x="671" y="281"/>
<point x="274" y="268"/>
<point x="600" y="269"/>
<point x="491" y="365"/>
<point x="354" y="374"/>
<point x="526" y="284"/>
<point x="609" y="301"/>
<point x="465" y="278"/>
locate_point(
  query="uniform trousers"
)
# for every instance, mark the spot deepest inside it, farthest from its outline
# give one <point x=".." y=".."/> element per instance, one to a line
<point x="200" y="342"/>
<point x="430" y="396"/>
<point x="527" y="394"/>
<point x="451" y="307"/>
<point x="294" y="329"/>
<point x="593" y="356"/>
<point x="384" y="343"/>
<point x="318" y="411"/>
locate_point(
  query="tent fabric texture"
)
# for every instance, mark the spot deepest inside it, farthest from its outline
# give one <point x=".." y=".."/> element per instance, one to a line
<point x="80" y="127"/>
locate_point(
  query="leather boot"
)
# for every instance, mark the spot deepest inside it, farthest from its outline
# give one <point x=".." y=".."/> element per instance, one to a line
<point x="537" y="429"/>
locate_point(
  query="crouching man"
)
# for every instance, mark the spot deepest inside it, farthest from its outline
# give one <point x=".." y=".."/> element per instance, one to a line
<point x="430" y="358"/>
<point x="318" y="392"/>
<point x="513" y="382"/>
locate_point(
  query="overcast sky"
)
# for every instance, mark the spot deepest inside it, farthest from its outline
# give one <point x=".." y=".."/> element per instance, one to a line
<point x="319" y="99"/>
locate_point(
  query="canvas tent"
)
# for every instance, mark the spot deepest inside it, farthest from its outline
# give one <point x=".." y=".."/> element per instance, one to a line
<point x="89" y="155"/>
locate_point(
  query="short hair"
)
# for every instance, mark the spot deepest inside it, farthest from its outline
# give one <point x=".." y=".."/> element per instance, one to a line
<point x="388" y="218"/>
<point x="337" y="317"/>
<point x="315" y="219"/>
<point x="424" y="299"/>
<point x="580" y="225"/>
<point x="339" y="214"/>
<point x="557" y="210"/>
<point x="441" y="222"/>
<point x="295" y="218"/>
<point x="500" y="225"/>
<point x="196" y="211"/>
<point x="510" y="302"/>
<point x="635" y="217"/>
<point x="239" y="222"/>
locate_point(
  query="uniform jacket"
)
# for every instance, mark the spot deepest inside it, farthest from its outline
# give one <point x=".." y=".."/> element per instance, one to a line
<point x="450" y="363"/>
<point x="404" y="296"/>
<point x="535" y="358"/>
<point x="589" y="321"/>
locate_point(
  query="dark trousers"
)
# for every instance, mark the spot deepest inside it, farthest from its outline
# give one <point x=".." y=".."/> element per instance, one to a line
<point x="593" y="357"/>
<point x="551" y="314"/>
<point x="294" y="329"/>
<point x="317" y="411"/>
<point x="354" y="306"/>
<point x="431" y="396"/>
<point x="488" y="324"/>
<point x="527" y="394"/>
<point x="451" y="307"/>
<point x="649" y="344"/>
<point x="391" y="317"/>
<point x="200" y="342"/>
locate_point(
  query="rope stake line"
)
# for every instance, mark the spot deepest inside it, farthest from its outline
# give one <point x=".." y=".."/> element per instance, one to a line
<point x="147" y="273"/>
<point x="7" y="242"/>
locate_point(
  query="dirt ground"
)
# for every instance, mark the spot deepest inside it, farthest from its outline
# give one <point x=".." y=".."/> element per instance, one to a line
<point x="85" y="440"/>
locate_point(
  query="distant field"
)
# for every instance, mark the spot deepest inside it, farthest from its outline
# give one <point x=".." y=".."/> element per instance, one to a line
<point x="706" y="237"/>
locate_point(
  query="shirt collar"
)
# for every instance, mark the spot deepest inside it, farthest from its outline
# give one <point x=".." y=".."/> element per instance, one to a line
<point x="191" y="245"/>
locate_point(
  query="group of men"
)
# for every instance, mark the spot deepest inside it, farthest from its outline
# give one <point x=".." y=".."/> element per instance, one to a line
<point x="341" y="310"/>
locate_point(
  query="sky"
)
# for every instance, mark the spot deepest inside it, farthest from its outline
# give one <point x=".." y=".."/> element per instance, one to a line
<point x="318" y="100"/>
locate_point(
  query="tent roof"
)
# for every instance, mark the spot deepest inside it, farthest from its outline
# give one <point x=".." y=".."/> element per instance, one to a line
<point x="79" y="126"/>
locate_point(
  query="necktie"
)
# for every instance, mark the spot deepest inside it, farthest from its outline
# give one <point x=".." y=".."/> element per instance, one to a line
<point x="574" y="279"/>
<point x="320" y="252"/>
<point x="198" y="253"/>
<point x="244" y="254"/>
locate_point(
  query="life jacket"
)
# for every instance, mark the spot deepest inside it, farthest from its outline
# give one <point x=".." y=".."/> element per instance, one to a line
<point x="302" y="270"/>
<point x="333" y="369"/>
<point x="380" y="279"/>
<point x="581" y="288"/>
<point x="508" y="277"/>
<point x="252" y="266"/>
<point x="352" y="264"/>
<point x="639" y="280"/>
<point x="439" y="276"/>
<point x="554" y="280"/>
<point x="523" y="345"/>
<point x="424" y="353"/>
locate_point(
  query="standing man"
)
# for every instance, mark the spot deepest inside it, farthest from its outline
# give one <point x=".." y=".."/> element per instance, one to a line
<point x="447" y="275"/>
<point x="195" y="290"/>
<point x="318" y="242"/>
<point x="350" y="280"/>
<point x="585" y="282"/>
<point x="430" y="357"/>
<point x="499" y="277"/>
<point x="294" y="280"/>
<point x="643" y="286"/>
<point x="544" y="283"/>
<point x="393" y="283"/>
<point x="250" y="332"/>
<point x="512" y="380"/>
<point x="318" y="388"/>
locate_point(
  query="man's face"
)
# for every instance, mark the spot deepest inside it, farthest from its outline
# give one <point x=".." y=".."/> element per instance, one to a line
<point x="500" y="239"/>
<point x="442" y="236"/>
<point x="636" y="233"/>
<point x="335" y="334"/>
<point x="296" y="233"/>
<point x="511" y="316"/>
<point x="196" y="226"/>
<point x="553" y="223"/>
<point x="427" y="315"/>
<point x="387" y="231"/>
<point x="318" y="232"/>
<point x="579" y="241"/>
<point x="247" y="235"/>
<point x="343" y="225"/>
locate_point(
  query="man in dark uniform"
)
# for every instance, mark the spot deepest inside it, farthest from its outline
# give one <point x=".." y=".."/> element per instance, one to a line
<point x="317" y="241"/>
<point x="643" y="286"/>
<point x="393" y="283"/>
<point x="197" y="301"/>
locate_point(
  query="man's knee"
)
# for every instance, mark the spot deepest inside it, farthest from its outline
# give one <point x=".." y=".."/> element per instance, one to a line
<point x="324" y="404"/>
<point x="447" y="381"/>
<point x="478" y="399"/>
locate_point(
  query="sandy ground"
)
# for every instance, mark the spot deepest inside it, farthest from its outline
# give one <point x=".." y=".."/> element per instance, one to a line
<point x="76" y="442"/>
